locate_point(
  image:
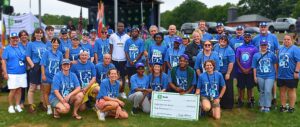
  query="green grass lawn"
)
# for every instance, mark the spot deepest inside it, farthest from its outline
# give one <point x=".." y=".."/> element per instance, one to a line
<point x="238" y="117"/>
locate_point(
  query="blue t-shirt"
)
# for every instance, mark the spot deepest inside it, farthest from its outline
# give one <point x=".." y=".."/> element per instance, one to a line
<point x="48" y="45"/>
<point x="172" y="56"/>
<point x="84" y="72"/>
<point x="210" y="84"/>
<point x="226" y="56"/>
<point x="201" y="58"/>
<point x="169" y="40"/>
<point x="137" y="82"/>
<point x="265" y="66"/>
<point x="51" y="62"/>
<point x="272" y="40"/>
<point x="65" y="84"/>
<point x="181" y="79"/>
<point x="35" y="51"/>
<point x="206" y="37"/>
<point x="23" y="47"/>
<point x="74" y="53"/>
<point x="101" y="47"/>
<point x="15" y="60"/>
<point x="157" y="54"/>
<point x="288" y="58"/>
<point x="158" y="83"/>
<point x="108" y="89"/>
<point x="88" y="47"/>
<point x="64" y="45"/>
<point x="102" y="70"/>
<point x="236" y="42"/>
<point x="133" y="48"/>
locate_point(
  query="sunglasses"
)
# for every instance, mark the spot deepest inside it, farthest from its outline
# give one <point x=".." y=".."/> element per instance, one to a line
<point x="104" y="32"/>
<point x="207" y="45"/>
<point x="247" y="37"/>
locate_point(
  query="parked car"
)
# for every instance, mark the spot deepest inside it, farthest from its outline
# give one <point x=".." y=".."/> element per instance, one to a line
<point x="188" y="28"/>
<point x="252" y="30"/>
<point x="211" y="27"/>
<point x="230" y="30"/>
<point x="283" y="24"/>
<point x="163" y="30"/>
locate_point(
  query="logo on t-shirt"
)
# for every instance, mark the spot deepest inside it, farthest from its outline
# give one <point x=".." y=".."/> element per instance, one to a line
<point x="284" y="61"/>
<point x="133" y="51"/>
<point x="157" y="56"/>
<point x="245" y="56"/>
<point x="265" y="65"/>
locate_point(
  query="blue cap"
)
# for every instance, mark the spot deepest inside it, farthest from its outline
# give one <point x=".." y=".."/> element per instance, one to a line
<point x="263" y="24"/>
<point x="14" y="34"/>
<point x="186" y="57"/>
<point x="93" y="31"/>
<point x="85" y="33"/>
<point x="64" y="30"/>
<point x="65" y="61"/>
<point x="135" y="28"/>
<point x="223" y="36"/>
<point x="139" y="65"/>
<point x="220" y="24"/>
<point x="110" y="31"/>
<point x="247" y="34"/>
<point x="240" y="27"/>
<point x="263" y="42"/>
<point x="178" y="39"/>
<point x="157" y="63"/>
<point x="186" y="36"/>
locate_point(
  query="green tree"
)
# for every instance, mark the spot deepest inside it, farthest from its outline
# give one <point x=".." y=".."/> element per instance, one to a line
<point x="218" y="13"/>
<point x="296" y="10"/>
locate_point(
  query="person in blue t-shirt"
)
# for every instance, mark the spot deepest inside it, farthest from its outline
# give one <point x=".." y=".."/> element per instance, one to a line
<point x="140" y="90"/>
<point x="169" y="39"/>
<point x="221" y="31"/>
<point x="85" y="45"/>
<point x="49" y="67"/>
<point x="86" y="74"/>
<point x="134" y="48"/>
<point x="73" y="52"/>
<point x="194" y="48"/>
<point x="205" y="35"/>
<point x="14" y="71"/>
<point x="238" y="40"/>
<point x="273" y="44"/>
<point x="34" y="53"/>
<point x="173" y="54"/>
<point x="24" y="40"/>
<point x="206" y="54"/>
<point x="66" y="43"/>
<point x="157" y="51"/>
<point x="49" y="30"/>
<point x="158" y="80"/>
<point x="103" y="67"/>
<point x="107" y="101"/>
<point x="101" y="46"/>
<point x="288" y="73"/>
<point x="264" y="71"/>
<point x="227" y="59"/>
<point x="65" y="90"/>
<point x="211" y="86"/>
<point x="182" y="79"/>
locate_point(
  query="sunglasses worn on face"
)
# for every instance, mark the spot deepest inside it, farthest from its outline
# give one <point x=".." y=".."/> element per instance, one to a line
<point x="104" y="32"/>
<point x="207" y="45"/>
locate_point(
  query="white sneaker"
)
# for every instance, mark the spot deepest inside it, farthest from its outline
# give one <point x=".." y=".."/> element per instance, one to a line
<point x="101" y="115"/>
<point x="18" y="108"/>
<point x="123" y="95"/>
<point x="11" y="109"/>
<point x="49" y="111"/>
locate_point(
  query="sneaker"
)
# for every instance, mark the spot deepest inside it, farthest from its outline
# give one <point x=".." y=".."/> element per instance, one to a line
<point x="267" y="110"/>
<point x="49" y="111"/>
<point x="240" y="103"/>
<point x="262" y="109"/>
<point x="123" y="95"/>
<point x="101" y="115"/>
<point x="32" y="108"/>
<point x="18" y="108"/>
<point x="283" y="109"/>
<point x="134" y="111"/>
<point x="11" y="109"/>
<point x="291" y="110"/>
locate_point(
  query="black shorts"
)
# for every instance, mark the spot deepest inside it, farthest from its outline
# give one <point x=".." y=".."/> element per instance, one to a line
<point x="245" y="81"/>
<point x="130" y="71"/>
<point x="290" y="83"/>
<point x="120" y="65"/>
<point x="35" y="74"/>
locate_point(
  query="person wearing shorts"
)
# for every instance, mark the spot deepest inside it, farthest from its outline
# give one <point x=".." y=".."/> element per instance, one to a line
<point x="208" y="86"/>
<point x="107" y="103"/>
<point x="288" y="73"/>
<point x="34" y="53"/>
<point x="65" y="90"/>
<point x="14" y="71"/>
<point x="49" y="67"/>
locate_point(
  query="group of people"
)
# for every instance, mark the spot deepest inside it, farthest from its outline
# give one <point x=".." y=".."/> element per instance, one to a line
<point x="91" y="72"/>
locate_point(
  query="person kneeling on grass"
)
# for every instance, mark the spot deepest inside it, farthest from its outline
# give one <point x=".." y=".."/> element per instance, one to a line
<point x="182" y="78"/>
<point x="107" y="102"/>
<point x="209" y="85"/>
<point x="140" y="90"/>
<point x="65" y="90"/>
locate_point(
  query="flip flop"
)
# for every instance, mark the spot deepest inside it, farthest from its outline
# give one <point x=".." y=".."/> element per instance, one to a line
<point x="78" y="117"/>
<point x="56" y="115"/>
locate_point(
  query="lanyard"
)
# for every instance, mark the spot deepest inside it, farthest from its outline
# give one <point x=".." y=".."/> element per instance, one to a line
<point x="210" y="83"/>
<point x="19" y="54"/>
<point x="204" y="55"/>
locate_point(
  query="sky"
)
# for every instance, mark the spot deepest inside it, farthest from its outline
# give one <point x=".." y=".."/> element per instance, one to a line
<point x="56" y="7"/>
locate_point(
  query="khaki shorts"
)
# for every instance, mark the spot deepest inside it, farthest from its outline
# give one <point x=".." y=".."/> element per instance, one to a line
<point x="214" y="105"/>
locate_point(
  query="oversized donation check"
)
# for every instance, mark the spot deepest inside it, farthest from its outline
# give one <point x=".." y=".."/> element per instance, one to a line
<point x="174" y="106"/>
